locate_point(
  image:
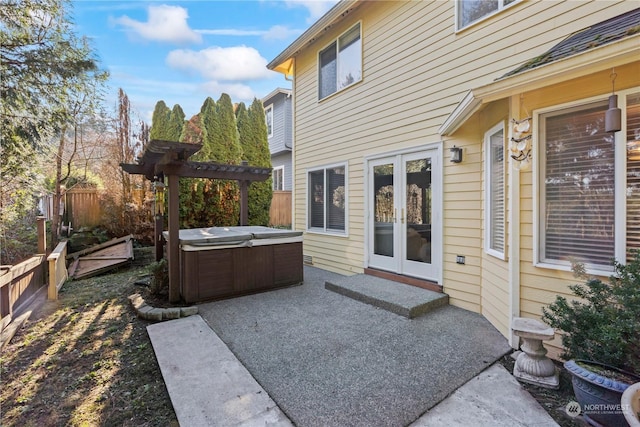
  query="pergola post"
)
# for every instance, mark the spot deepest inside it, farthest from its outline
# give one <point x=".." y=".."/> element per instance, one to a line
<point x="244" y="202"/>
<point x="174" y="239"/>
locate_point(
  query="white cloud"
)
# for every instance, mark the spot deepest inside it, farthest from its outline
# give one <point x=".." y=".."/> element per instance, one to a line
<point x="277" y="32"/>
<point x="237" y="91"/>
<point x="231" y="32"/>
<point x="165" y="23"/>
<point x="316" y="8"/>
<point x="236" y="63"/>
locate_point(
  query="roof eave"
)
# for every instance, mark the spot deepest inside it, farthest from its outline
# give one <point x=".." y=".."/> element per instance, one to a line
<point x="276" y="92"/>
<point x="283" y="63"/>
<point x="595" y="60"/>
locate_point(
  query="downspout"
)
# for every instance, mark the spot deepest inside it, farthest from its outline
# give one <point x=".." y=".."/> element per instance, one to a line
<point x="293" y="139"/>
<point x="290" y="95"/>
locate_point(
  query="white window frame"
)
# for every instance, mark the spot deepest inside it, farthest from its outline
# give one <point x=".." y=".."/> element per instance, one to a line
<point x="325" y="230"/>
<point x="620" y="168"/>
<point x="501" y="7"/>
<point x="268" y="111"/>
<point x="489" y="169"/>
<point x="337" y="47"/>
<point x="281" y="170"/>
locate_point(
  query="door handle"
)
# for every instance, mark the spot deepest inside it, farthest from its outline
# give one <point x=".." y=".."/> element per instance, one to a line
<point x="402" y="217"/>
<point x="395" y="215"/>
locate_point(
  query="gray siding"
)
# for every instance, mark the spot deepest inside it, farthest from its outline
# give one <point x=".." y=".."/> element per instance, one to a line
<point x="281" y="139"/>
<point x="283" y="159"/>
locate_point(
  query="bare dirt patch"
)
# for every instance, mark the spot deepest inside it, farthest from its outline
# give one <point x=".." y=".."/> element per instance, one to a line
<point x="85" y="360"/>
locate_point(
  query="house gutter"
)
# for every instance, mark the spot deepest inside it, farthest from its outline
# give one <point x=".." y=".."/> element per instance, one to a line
<point x="598" y="59"/>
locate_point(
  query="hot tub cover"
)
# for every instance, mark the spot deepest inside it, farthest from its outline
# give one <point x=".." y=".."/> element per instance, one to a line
<point x="211" y="236"/>
<point x="260" y="232"/>
<point x="239" y="235"/>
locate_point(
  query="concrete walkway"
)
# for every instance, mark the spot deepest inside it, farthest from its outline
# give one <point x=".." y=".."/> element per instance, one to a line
<point x="208" y="386"/>
<point x="327" y="360"/>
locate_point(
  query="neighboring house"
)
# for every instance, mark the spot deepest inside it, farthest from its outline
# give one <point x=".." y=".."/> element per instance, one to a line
<point x="385" y="93"/>
<point x="277" y="110"/>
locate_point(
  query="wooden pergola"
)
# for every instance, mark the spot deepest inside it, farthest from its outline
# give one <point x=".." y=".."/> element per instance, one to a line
<point x="170" y="159"/>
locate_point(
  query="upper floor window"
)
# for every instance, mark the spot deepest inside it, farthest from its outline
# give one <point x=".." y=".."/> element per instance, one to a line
<point x="340" y="63"/>
<point x="470" y="11"/>
<point x="268" y="117"/>
<point x="494" y="192"/>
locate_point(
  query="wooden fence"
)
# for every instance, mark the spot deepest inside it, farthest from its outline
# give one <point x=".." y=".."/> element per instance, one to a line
<point x="280" y="212"/>
<point x="19" y="284"/>
<point x="82" y="207"/>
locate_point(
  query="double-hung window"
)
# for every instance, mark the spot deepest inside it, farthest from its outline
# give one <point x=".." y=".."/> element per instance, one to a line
<point x="268" y="117"/>
<point x="340" y="63"/>
<point x="470" y="11"/>
<point x="278" y="178"/>
<point x="327" y="199"/>
<point x="589" y="185"/>
<point x="495" y="192"/>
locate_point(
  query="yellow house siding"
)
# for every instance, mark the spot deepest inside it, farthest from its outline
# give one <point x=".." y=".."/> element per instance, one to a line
<point x="415" y="71"/>
<point x="540" y="286"/>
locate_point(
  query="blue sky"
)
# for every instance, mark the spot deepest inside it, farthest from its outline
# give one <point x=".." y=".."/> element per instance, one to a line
<point x="183" y="51"/>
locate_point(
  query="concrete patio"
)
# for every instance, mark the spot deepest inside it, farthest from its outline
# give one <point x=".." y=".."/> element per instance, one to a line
<point x="308" y="356"/>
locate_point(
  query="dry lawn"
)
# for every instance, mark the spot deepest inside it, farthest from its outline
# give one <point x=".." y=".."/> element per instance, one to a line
<point x="85" y="360"/>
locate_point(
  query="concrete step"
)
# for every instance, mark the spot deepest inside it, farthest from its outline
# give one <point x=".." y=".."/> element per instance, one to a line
<point x="405" y="300"/>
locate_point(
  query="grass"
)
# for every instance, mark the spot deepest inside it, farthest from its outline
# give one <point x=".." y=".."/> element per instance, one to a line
<point x="85" y="360"/>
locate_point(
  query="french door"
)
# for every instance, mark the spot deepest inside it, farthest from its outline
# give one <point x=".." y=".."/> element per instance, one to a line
<point x="404" y="214"/>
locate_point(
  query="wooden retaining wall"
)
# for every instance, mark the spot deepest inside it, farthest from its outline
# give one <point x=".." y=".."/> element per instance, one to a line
<point x="19" y="284"/>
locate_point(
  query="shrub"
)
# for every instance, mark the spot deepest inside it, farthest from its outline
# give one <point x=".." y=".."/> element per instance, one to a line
<point x="159" y="271"/>
<point x="604" y="324"/>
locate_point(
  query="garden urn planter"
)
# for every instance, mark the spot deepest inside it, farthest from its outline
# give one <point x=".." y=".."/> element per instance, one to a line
<point x="599" y="396"/>
<point x="630" y="403"/>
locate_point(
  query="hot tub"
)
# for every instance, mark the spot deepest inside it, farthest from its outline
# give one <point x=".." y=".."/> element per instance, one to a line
<point x="223" y="262"/>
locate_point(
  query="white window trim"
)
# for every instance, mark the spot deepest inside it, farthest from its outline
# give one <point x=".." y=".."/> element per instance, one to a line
<point x="620" y="183"/>
<point x="323" y="48"/>
<point x="325" y="231"/>
<point x="269" y="110"/>
<point x="487" y="192"/>
<point x="501" y="8"/>
<point x="282" y="169"/>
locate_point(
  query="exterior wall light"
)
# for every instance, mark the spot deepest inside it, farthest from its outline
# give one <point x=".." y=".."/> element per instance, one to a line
<point x="456" y="154"/>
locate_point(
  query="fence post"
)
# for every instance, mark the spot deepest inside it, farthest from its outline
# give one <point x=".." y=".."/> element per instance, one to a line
<point x="42" y="235"/>
<point x="57" y="270"/>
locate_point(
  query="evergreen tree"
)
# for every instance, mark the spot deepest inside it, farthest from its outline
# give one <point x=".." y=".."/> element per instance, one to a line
<point x="175" y="123"/>
<point x="221" y="145"/>
<point x="255" y="146"/>
<point x="160" y="122"/>
<point x="225" y="139"/>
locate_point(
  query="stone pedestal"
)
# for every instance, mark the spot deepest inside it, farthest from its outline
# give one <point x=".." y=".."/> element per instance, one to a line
<point x="532" y="365"/>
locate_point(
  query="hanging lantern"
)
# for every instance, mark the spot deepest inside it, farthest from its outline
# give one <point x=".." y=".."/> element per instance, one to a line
<point x="613" y="116"/>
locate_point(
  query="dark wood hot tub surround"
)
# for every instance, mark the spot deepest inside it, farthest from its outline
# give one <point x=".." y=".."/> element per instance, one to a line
<point x="210" y="274"/>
